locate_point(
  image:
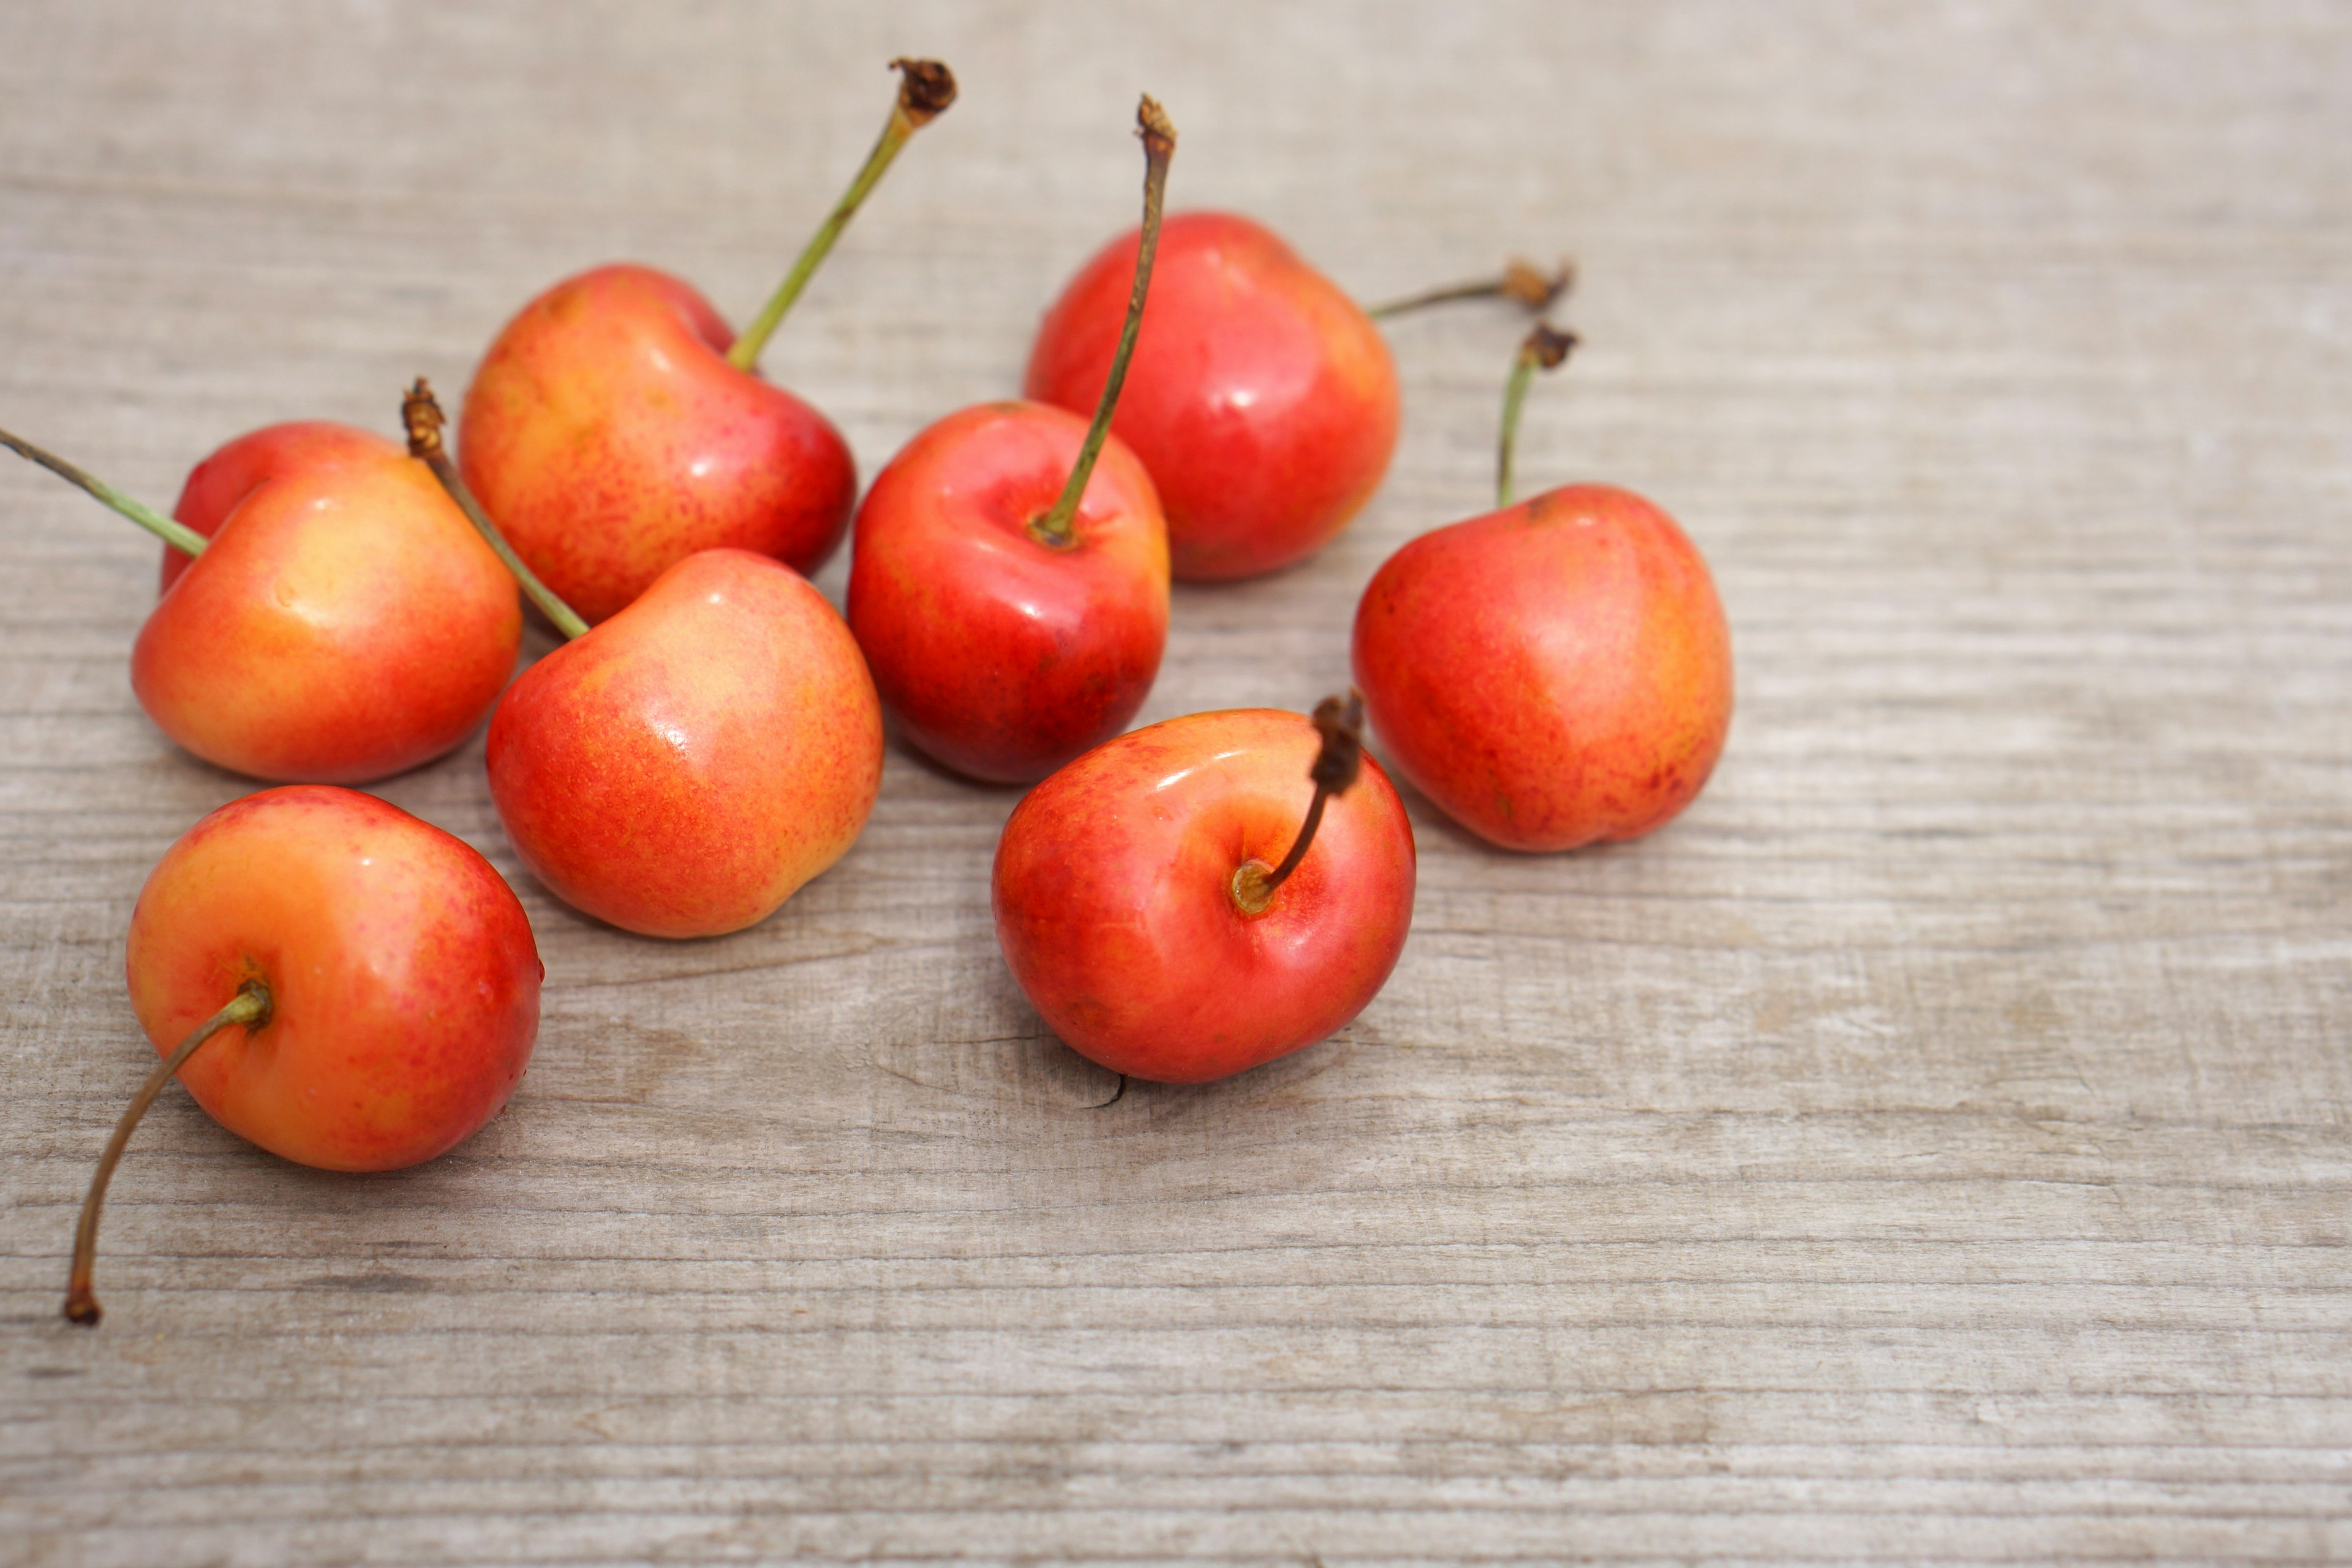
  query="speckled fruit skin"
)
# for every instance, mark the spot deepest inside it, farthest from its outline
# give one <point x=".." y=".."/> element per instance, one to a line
<point x="346" y="623"/>
<point x="1554" y="674"/>
<point x="1261" y="398"/>
<point x="608" y="436"/>
<point x="1114" y="904"/>
<point x="404" y="981"/>
<point x="1002" y="657"/>
<point x="682" y="769"/>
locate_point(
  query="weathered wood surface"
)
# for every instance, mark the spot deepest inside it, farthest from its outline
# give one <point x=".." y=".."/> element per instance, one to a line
<point x="1932" y="1147"/>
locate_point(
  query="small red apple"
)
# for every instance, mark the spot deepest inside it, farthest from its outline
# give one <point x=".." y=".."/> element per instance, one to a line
<point x="344" y="622"/>
<point x="1146" y="906"/>
<point x="617" y="425"/>
<point x="1554" y="673"/>
<point x="367" y="983"/>
<point x="1263" y="400"/>
<point x="1010" y="595"/>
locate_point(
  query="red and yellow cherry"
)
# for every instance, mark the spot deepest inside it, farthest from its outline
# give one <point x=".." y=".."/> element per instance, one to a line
<point x="333" y="980"/>
<point x="1554" y="673"/>
<point x="339" y="621"/>
<point x="1263" y="400"/>
<point x="682" y="769"/>
<point x="1010" y="595"/>
<point x="617" y="425"/>
<point x="1147" y="907"/>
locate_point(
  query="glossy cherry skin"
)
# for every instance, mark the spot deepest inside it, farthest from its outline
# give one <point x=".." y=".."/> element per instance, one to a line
<point x="1005" y="656"/>
<point x="1554" y="674"/>
<point x="683" y="768"/>
<point x="403" y="978"/>
<point x="608" y="436"/>
<point x="1261" y="398"/>
<point x="215" y="486"/>
<point x="345" y="623"/>
<point x="1115" y="909"/>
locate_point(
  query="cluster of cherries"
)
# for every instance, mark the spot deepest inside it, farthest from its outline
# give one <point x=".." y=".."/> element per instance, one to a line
<point x="1179" y="902"/>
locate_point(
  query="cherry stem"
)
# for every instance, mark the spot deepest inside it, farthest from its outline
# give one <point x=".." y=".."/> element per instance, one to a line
<point x="250" y="1006"/>
<point x="1337" y="765"/>
<point x="421" y="412"/>
<point x="926" y="88"/>
<point x="1522" y="282"/>
<point x="1059" y="526"/>
<point x="1546" y="348"/>
<point x="171" y="531"/>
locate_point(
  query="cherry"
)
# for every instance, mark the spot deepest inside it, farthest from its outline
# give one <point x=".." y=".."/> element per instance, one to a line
<point x="367" y="983"/>
<point x="1554" y="673"/>
<point x="1263" y="399"/>
<point x="327" y="615"/>
<point x="684" y="767"/>
<point x="1010" y="597"/>
<point x="616" y="426"/>
<point x="1169" y="911"/>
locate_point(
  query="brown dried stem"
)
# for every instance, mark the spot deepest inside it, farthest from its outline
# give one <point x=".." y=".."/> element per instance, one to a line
<point x="1337" y="765"/>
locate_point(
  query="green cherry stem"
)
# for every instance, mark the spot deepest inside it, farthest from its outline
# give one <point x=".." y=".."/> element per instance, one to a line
<point x="1337" y="765"/>
<point x="1059" y="526"/>
<point x="420" y="411"/>
<point x="926" y="88"/>
<point x="250" y="1006"/>
<point x="1546" y="348"/>
<point x="172" y="531"/>
<point x="1523" y="283"/>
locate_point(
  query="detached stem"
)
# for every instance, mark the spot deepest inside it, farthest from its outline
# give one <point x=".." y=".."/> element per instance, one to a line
<point x="1546" y="348"/>
<point x="1059" y="526"/>
<point x="1337" y="765"/>
<point x="250" y="1006"/>
<point x="171" y="531"/>
<point x="421" y="412"/>
<point x="926" y="88"/>
<point x="1522" y="282"/>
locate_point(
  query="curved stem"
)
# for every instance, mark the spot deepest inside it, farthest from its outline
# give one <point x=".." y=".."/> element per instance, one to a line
<point x="1522" y="282"/>
<point x="926" y="88"/>
<point x="250" y="1006"/>
<point x="171" y="531"/>
<point x="1337" y="765"/>
<point x="1059" y="526"/>
<point x="1545" y="347"/>
<point x="421" y="412"/>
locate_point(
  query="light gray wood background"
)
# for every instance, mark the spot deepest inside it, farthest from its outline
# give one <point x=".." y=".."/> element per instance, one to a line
<point x="1933" y="1146"/>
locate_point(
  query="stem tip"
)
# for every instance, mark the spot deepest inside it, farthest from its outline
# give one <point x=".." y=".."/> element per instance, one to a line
<point x="926" y="88"/>
<point x="1151" y="123"/>
<point x="1546" y="347"/>
<point x="1524" y="283"/>
<point x="1341" y="722"/>
<point x="421" y="412"/>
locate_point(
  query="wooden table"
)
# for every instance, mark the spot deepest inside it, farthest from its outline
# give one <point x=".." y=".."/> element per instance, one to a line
<point x="1933" y="1146"/>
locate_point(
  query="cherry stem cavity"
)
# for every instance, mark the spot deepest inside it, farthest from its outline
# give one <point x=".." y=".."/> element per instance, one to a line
<point x="1059" y="526"/>
<point x="176" y="534"/>
<point x="420" y="411"/>
<point x="926" y="88"/>
<point x="251" y="1008"/>
<point x="1337" y="765"/>
<point x="1523" y="283"/>
<point x="1546" y="348"/>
